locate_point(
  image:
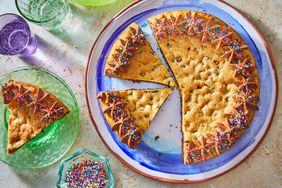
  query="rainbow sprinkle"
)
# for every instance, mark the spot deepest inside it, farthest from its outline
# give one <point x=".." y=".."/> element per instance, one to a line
<point x="87" y="173"/>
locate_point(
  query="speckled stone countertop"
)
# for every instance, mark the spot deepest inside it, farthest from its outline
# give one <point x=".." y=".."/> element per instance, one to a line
<point x="66" y="54"/>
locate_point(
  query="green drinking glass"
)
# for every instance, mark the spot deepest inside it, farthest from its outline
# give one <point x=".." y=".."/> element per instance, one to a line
<point x="93" y="2"/>
<point x="47" y="13"/>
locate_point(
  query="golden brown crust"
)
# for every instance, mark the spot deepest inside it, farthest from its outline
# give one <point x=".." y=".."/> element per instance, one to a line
<point x="217" y="76"/>
<point x="129" y="112"/>
<point x="31" y="111"/>
<point x="132" y="58"/>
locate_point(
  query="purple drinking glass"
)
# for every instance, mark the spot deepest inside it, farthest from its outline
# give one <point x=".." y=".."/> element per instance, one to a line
<point x="15" y="36"/>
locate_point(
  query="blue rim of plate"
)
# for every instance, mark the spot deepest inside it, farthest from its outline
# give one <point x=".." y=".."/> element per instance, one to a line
<point x="263" y="117"/>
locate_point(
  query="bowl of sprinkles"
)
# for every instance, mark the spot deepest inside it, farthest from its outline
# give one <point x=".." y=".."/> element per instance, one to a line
<point x="85" y="169"/>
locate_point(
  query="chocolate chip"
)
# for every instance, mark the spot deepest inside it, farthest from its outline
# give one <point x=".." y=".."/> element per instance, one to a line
<point x="157" y="137"/>
<point x="178" y="59"/>
<point x="216" y="62"/>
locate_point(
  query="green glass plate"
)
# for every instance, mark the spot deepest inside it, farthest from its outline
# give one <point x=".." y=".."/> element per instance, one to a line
<point x="54" y="142"/>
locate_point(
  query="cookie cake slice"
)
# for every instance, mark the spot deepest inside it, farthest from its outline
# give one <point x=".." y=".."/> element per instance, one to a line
<point x="132" y="58"/>
<point x="217" y="77"/>
<point x="129" y="112"/>
<point x="32" y="109"/>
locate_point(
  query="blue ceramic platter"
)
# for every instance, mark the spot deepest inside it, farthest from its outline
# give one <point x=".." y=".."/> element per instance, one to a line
<point x="161" y="159"/>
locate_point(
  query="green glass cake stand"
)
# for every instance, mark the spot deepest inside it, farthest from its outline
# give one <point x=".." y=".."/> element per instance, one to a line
<point x="53" y="143"/>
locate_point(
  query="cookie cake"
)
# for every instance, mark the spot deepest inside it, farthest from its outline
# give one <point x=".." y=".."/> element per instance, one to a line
<point x="214" y="71"/>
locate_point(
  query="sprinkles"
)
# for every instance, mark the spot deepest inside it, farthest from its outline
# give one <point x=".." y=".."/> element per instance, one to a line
<point x="87" y="173"/>
<point x="124" y="124"/>
<point x="122" y="55"/>
<point x="23" y="97"/>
